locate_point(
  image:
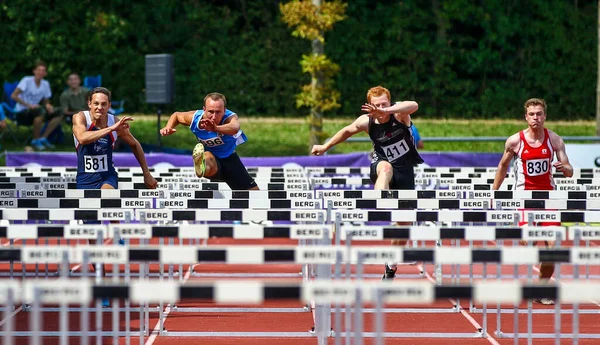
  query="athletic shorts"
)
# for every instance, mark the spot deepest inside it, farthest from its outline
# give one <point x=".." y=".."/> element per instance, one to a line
<point x="111" y="179"/>
<point x="402" y="177"/>
<point x="96" y="182"/>
<point x="232" y="171"/>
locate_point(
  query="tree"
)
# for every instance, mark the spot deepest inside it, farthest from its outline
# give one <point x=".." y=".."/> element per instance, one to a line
<point x="310" y="20"/>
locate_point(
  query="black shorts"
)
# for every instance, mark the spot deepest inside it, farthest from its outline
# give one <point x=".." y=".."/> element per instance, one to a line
<point x="402" y="177"/>
<point x="232" y="171"/>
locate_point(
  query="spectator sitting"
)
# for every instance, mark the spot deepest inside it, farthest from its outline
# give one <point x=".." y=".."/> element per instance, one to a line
<point x="416" y="137"/>
<point x="74" y="99"/>
<point x="33" y="106"/>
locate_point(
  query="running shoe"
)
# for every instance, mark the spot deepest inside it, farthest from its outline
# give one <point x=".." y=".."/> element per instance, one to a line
<point x="198" y="155"/>
<point x="544" y="301"/>
<point x="390" y="273"/>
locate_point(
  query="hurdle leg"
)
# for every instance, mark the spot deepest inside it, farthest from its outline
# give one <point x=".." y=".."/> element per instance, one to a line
<point x="36" y="318"/>
<point x="115" y="301"/>
<point x="85" y="316"/>
<point x="499" y="278"/>
<point x="63" y="314"/>
<point x="8" y="325"/>
<point x="348" y="311"/>
<point x="379" y="318"/>
<point x="576" y="243"/>
<point x="161" y="273"/>
<point x="338" y="311"/>
<point x="358" y="315"/>
<point x="143" y="308"/>
<point x="529" y="305"/>
<point x="128" y="303"/>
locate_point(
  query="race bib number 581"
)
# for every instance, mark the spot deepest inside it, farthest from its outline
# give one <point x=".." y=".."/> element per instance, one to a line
<point x="94" y="164"/>
<point x="536" y="167"/>
<point x="396" y="150"/>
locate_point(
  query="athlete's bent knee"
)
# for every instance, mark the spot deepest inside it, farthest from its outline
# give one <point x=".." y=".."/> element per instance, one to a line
<point x="211" y="164"/>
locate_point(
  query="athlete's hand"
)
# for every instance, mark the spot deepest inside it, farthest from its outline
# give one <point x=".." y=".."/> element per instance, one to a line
<point x="150" y="181"/>
<point x="208" y="124"/>
<point x="122" y="124"/>
<point x="559" y="167"/>
<point x="318" y="150"/>
<point x="167" y="131"/>
<point x="372" y="111"/>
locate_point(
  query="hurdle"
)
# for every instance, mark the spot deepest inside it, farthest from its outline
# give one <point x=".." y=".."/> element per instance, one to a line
<point x="251" y="204"/>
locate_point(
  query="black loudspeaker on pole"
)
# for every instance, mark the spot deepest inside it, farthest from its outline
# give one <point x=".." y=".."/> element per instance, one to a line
<point x="160" y="83"/>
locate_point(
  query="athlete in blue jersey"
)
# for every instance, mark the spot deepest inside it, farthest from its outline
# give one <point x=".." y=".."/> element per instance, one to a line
<point x="218" y="131"/>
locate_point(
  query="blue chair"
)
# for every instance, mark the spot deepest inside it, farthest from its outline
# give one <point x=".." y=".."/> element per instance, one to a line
<point x="92" y="81"/>
<point x="7" y="108"/>
<point x="117" y="107"/>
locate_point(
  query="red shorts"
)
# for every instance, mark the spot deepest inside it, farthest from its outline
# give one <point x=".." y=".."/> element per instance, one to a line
<point x="522" y="223"/>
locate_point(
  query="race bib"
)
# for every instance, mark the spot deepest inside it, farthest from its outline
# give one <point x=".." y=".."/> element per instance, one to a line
<point x="216" y="141"/>
<point x="94" y="164"/>
<point x="536" y="167"/>
<point x="395" y="151"/>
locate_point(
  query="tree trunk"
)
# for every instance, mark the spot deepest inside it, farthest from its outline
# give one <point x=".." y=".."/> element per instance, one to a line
<point x="598" y="80"/>
<point x="315" y="136"/>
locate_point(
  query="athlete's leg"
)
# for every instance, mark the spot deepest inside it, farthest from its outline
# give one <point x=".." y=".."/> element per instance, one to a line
<point x="235" y="174"/>
<point x="385" y="172"/>
<point x="212" y="168"/>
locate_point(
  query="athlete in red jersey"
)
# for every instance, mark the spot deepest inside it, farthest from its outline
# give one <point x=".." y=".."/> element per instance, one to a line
<point x="533" y="150"/>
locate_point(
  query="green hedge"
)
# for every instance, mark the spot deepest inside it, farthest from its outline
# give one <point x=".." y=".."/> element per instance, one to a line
<point x="456" y="58"/>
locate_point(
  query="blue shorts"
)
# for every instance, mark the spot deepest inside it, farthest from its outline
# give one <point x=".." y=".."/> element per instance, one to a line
<point x="98" y="182"/>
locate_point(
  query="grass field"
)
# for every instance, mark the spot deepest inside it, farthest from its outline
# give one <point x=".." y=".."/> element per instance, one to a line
<point x="288" y="137"/>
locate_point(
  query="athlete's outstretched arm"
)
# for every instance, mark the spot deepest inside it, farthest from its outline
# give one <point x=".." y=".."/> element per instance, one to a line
<point x="87" y="137"/>
<point x="177" y="118"/>
<point x="138" y="152"/>
<point x="359" y="125"/>
<point x="563" y="164"/>
<point x="509" y="152"/>
<point x="230" y="127"/>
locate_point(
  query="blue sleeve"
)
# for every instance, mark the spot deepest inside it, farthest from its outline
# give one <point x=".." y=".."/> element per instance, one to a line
<point x="228" y="114"/>
<point x="2" y="115"/>
<point x="195" y="119"/>
<point x="416" y="134"/>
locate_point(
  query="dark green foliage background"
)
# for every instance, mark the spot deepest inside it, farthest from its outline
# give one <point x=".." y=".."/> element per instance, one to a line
<point x="459" y="58"/>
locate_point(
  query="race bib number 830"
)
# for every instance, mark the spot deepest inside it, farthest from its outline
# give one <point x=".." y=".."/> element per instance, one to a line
<point x="94" y="164"/>
<point x="396" y="150"/>
<point x="536" y="167"/>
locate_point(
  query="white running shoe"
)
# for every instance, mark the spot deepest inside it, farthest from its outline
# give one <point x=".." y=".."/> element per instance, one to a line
<point x="198" y="155"/>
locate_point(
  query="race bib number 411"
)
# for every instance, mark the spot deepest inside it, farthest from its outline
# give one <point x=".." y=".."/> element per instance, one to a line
<point x="216" y="141"/>
<point x="536" y="167"/>
<point x="396" y="150"/>
<point x="93" y="164"/>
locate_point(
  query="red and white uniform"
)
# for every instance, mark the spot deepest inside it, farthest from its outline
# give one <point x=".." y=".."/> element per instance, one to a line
<point x="533" y="169"/>
<point x="533" y="165"/>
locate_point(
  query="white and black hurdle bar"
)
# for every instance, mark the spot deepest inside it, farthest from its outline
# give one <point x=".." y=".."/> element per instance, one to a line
<point x="178" y="200"/>
<point x="83" y="292"/>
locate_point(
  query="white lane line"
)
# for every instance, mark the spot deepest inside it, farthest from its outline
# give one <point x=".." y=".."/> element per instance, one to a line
<point x="466" y="315"/>
<point x="156" y="330"/>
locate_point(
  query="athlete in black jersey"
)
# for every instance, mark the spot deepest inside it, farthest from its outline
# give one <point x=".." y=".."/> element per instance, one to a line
<point x="394" y="154"/>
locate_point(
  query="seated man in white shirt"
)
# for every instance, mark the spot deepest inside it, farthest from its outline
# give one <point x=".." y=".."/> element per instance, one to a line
<point x="33" y="106"/>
